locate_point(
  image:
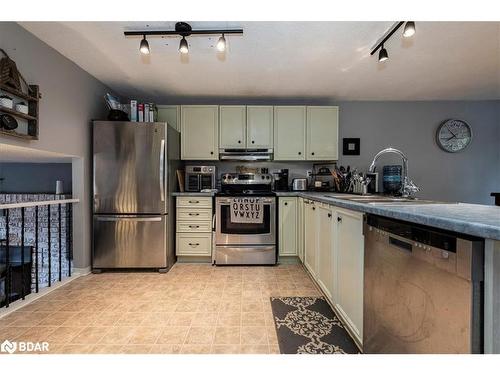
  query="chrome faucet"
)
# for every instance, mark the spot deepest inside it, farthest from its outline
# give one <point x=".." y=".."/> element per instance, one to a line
<point x="408" y="188"/>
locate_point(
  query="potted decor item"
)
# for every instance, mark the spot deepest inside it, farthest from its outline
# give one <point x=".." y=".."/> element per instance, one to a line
<point x="6" y="101"/>
<point x="22" y="107"/>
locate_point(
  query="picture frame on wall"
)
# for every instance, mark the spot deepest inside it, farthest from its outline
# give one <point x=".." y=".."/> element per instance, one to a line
<point x="351" y="146"/>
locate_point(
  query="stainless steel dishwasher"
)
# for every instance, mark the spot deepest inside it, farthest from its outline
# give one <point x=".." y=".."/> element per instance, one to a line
<point x="423" y="289"/>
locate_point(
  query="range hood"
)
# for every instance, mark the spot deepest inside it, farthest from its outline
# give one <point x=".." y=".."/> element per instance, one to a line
<point x="249" y="154"/>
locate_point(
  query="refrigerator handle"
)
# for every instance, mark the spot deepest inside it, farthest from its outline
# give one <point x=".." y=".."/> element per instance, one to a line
<point x="162" y="170"/>
<point x="128" y="218"/>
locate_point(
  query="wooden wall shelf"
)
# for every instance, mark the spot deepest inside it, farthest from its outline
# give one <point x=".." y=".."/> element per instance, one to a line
<point x="16" y="113"/>
<point x="31" y="117"/>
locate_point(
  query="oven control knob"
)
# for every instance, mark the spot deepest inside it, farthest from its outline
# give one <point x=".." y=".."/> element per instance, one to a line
<point x="262" y="177"/>
<point x="267" y="177"/>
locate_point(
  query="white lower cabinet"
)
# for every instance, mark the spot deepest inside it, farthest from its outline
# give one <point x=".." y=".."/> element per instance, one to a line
<point x="193" y="226"/>
<point x="310" y="237"/>
<point x="287" y="226"/>
<point x="326" y="269"/>
<point x="300" y="228"/>
<point x="349" y="263"/>
<point x="334" y="256"/>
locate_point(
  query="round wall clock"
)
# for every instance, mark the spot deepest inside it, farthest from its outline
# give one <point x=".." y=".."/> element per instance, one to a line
<point x="454" y="135"/>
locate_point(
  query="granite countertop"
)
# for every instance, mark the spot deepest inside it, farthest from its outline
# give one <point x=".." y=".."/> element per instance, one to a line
<point x="472" y="219"/>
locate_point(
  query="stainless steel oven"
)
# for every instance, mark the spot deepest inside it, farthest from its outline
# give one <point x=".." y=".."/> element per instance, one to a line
<point x="229" y="233"/>
<point x="247" y="242"/>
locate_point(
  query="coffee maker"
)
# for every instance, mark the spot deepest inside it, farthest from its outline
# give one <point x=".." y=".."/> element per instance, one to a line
<point x="281" y="180"/>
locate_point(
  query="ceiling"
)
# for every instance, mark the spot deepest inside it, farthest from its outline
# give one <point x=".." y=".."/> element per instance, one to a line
<point x="443" y="61"/>
<point x="16" y="154"/>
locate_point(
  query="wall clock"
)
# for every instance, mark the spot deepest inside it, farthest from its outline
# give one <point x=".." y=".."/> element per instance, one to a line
<point x="454" y="135"/>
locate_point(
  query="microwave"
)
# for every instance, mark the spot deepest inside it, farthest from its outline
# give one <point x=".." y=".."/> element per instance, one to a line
<point x="199" y="177"/>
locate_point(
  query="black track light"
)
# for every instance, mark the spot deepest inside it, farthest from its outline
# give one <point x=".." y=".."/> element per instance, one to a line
<point x="383" y="55"/>
<point x="144" y="46"/>
<point x="183" y="46"/>
<point x="409" y="29"/>
<point x="221" y="44"/>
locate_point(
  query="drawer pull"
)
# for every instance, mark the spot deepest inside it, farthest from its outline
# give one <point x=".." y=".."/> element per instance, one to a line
<point x="329" y="215"/>
<point x="194" y="201"/>
<point x="194" y="244"/>
<point x="194" y="214"/>
<point x="194" y="226"/>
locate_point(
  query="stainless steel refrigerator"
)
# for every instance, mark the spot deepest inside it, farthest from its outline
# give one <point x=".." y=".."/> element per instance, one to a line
<point x="134" y="175"/>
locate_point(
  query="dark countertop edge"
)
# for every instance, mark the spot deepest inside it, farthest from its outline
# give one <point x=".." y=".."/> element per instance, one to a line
<point x="192" y="194"/>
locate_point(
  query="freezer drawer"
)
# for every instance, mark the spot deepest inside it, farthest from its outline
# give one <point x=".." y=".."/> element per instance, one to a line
<point x="132" y="241"/>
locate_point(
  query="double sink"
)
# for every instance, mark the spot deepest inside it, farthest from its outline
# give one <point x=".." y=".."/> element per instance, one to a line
<point x="381" y="200"/>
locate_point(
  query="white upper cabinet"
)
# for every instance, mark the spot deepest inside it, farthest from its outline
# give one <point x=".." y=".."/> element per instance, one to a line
<point x="171" y="114"/>
<point x="322" y="133"/>
<point x="233" y="124"/>
<point x="200" y="132"/>
<point x="289" y="132"/>
<point x="260" y="126"/>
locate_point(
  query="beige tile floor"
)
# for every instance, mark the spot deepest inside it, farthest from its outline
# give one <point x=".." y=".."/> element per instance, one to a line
<point x="194" y="308"/>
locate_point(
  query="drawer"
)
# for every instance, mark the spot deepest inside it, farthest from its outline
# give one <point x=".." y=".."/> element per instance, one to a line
<point x="193" y="214"/>
<point x="197" y="226"/>
<point x="192" y="202"/>
<point x="194" y="244"/>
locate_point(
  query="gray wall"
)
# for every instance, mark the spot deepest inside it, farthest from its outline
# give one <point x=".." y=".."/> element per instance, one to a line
<point x="469" y="176"/>
<point x="34" y="177"/>
<point x="71" y="98"/>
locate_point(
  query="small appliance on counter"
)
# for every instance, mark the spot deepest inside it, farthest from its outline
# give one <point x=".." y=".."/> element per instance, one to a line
<point x="199" y="177"/>
<point x="323" y="179"/>
<point x="281" y="180"/>
<point x="299" y="184"/>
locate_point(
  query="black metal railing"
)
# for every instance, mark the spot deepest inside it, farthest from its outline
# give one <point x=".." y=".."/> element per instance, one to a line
<point x="27" y="262"/>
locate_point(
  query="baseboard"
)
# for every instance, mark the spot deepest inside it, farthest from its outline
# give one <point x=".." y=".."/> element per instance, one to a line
<point x="81" y="271"/>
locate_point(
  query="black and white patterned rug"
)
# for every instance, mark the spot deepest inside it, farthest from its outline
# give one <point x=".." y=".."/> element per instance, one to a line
<point x="307" y="325"/>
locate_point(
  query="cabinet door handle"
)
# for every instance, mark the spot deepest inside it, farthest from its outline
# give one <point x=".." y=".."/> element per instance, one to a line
<point x="253" y="141"/>
<point x="329" y="215"/>
<point x="211" y="152"/>
<point x="194" y="201"/>
<point x="194" y="244"/>
<point x="312" y="153"/>
<point x="194" y="226"/>
<point x="286" y="203"/>
<point x="300" y="153"/>
<point x="314" y="208"/>
<point x="193" y="214"/>
<point x="339" y="219"/>
<point x="239" y="141"/>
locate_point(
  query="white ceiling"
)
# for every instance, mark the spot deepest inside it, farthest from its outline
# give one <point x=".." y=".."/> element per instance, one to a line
<point x="17" y="154"/>
<point x="444" y="60"/>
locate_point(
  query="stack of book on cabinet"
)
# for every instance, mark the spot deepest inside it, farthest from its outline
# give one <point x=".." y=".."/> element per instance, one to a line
<point x="143" y="112"/>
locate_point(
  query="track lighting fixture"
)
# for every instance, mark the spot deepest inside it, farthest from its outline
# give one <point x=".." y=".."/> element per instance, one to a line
<point x="383" y="55"/>
<point x="183" y="46"/>
<point x="184" y="30"/>
<point x="144" y="46"/>
<point x="221" y="44"/>
<point x="409" y="29"/>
